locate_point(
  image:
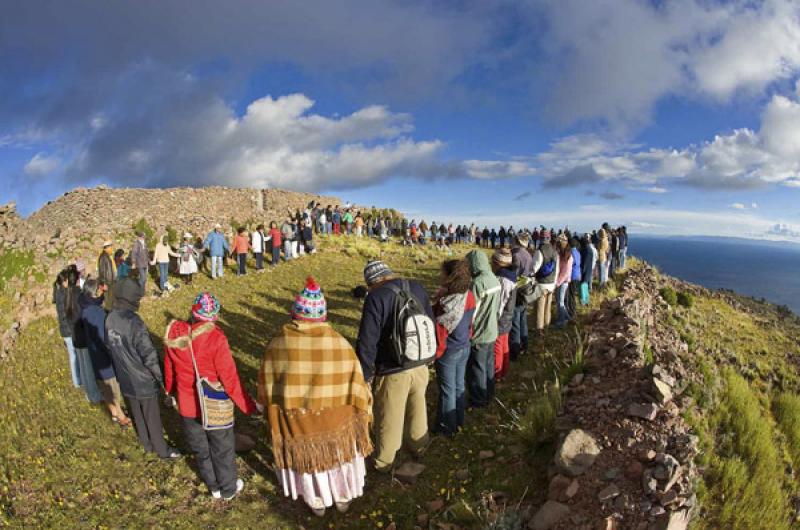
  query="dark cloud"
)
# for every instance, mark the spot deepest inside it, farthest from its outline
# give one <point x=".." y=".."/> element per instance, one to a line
<point x="611" y="196"/>
<point x="523" y="196"/>
<point x="583" y="174"/>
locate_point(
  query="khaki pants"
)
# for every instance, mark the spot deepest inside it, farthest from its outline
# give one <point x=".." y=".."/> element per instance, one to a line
<point x="544" y="306"/>
<point x="400" y="414"/>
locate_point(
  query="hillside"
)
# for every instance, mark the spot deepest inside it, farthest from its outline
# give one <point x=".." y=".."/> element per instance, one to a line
<point x="691" y="398"/>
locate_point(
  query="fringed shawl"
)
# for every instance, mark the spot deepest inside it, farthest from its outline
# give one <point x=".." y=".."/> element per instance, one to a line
<point x="318" y="405"/>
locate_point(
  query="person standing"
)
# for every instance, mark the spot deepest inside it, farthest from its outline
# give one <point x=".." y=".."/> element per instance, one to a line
<point x="107" y="270"/>
<point x="399" y="383"/>
<point x="588" y="261"/>
<point x="194" y="349"/>
<point x="137" y="368"/>
<point x="258" y="244"/>
<point x="623" y="246"/>
<point x="241" y="247"/>
<point x="287" y="235"/>
<point x="563" y="279"/>
<point x="188" y="260"/>
<point x="574" y="292"/>
<point x="506" y="273"/>
<point x="602" y="256"/>
<point x="318" y="407"/>
<point x="217" y="247"/>
<point x="487" y="292"/>
<point x="161" y="258"/>
<point x="93" y="320"/>
<point x="275" y="243"/>
<point x="140" y="258"/>
<point x="62" y="299"/>
<point x="523" y="265"/>
<point x="545" y="267"/>
<point x="454" y="307"/>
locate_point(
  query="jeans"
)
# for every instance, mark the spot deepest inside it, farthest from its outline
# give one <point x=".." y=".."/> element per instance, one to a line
<point x="287" y="250"/>
<point x="142" y="277"/>
<point x="217" y="270"/>
<point x="328" y="228"/>
<point x="400" y="414"/>
<point x="74" y="367"/>
<point x="259" y="261"/>
<point x="518" y="340"/>
<point x="242" y="260"/>
<point x="561" y="296"/>
<point x="276" y="256"/>
<point x="89" y="382"/>
<point x="623" y="256"/>
<point x="450" y="373"/>
<point x="163" y="275"/>
<point x="480" y="374"/>
<point x="215" y="455"/>
<point x="603" y="272"/>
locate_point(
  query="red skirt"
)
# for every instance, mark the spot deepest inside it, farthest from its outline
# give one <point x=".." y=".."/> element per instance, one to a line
<point x="501" y="356"/>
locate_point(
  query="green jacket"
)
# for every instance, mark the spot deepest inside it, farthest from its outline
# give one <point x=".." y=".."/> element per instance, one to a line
<point x="486" y="289"/>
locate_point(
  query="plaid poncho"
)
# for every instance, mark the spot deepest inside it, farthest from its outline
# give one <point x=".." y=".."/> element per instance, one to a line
<point x="318" y="405"/>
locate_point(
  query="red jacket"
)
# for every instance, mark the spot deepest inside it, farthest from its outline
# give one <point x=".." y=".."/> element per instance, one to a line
<point x="241" y="244"/>
<point x="214" y="361"/>
<point x="276" y="237"/>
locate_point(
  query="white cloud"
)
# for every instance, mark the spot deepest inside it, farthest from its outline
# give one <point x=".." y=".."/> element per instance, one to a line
<point x="738" y="206"/>
<point x="41" y="165"/>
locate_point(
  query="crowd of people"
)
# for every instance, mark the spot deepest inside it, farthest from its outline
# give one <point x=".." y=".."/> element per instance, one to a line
<point x="334" y="410"/>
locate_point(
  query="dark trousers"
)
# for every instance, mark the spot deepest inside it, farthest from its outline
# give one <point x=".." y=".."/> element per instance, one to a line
<point x="276" y="256"/>
<point x="573" y="294"/>
<point x="518" y="340"/>
<point x="215" y="455"/>
<point x="480" y="374"/>
<point x="242" y="260"/>
<point x="259" y="261"/>
<point x="147" y="419"/>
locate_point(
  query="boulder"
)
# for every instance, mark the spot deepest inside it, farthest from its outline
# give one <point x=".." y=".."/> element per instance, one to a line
<point x="646" y="411"/>
<point x="549" y="515"/>
<point x="576" y="453"/>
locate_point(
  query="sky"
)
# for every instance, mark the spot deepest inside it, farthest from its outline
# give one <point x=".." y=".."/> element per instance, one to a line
<point x="669" y="116"/>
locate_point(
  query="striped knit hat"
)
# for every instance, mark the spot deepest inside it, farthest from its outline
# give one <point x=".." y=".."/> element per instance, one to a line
<point x="375" y="271"/>
<point x="206" y="307"/>
<point x="310" y="305"/>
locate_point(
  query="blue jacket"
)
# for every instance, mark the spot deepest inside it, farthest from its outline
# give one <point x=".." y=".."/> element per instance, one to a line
<point x="93" y="319"/>
<point x="216" y="244"/>
<point x="576" y="264"/>
<point x="375" y="332"/>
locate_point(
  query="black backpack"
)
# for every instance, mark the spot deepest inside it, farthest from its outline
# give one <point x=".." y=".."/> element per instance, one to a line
<point x="414" y="333"/>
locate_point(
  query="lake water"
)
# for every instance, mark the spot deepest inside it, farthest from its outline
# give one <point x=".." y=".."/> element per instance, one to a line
<point x="761" y="269"/>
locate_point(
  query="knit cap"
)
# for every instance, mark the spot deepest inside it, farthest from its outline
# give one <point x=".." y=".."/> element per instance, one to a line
<point x="375" y="271"/>
<point x="310" y="305"/>
<point x="206" y="307"/>
<point x="544" y="234"/>
<point x="502" y="256"/>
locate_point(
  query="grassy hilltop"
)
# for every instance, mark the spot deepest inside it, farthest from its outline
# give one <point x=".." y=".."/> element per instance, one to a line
<point x="64" y="464"/>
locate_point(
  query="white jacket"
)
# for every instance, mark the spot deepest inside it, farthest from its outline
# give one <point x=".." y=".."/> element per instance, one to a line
<point x="257" y="242"/>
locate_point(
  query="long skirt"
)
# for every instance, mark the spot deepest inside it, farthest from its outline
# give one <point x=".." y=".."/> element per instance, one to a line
<point x="320" y="490"/>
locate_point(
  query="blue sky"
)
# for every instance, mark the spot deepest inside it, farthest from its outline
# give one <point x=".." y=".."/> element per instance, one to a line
<point x="669" y="116"/>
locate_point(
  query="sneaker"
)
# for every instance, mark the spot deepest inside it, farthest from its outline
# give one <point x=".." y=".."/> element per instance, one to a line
<point x="172" y="454"/>
<point x="239" y="488"/>
<point x="319" y="512"/>
<point x="342" y="507"/>
<point x="216" y="494"/>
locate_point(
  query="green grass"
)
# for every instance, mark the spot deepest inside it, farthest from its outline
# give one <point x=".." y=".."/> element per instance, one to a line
<point x="669" y="295"/>
<point x="65" y="464"/>
<point x="14" y="264"/>
<point x="747" y="483"/>
<point x="786" y="407"/>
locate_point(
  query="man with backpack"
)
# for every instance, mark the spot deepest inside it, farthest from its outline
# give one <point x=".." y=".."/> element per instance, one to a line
<point x="396" y="342"/>
<point x="545" y="267"/>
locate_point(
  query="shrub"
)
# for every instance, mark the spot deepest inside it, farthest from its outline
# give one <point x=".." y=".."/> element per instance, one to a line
<point x="686" y="299"/>
<point x="149" y="234"/>
<point x="669" y="295"/>
<point x="172" y="236"/>
<point x="536" y="425"/>
<point x="787" y="411"/>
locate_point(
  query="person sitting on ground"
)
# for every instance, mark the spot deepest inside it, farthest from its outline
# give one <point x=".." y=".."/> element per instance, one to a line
<point x="507" y="276"/>
<point x="454" y="307"/>
<point x="487" y="292"/>
<point x="199" y="348"/>
<point x="318" y="406"/>
<point x="137" y="367"/>
<point x="400" y="382"/>
<point x="93" y="318"/>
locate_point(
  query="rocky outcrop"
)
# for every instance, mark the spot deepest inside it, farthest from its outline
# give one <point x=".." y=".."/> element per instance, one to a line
<point x="74" y="227"/>
<point x="630" y="405"/>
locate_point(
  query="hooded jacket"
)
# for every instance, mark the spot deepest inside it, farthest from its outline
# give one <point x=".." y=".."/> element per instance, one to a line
<point x="93" y="318"/>
<point x="507" y="277"/>
<point x="486" y="290"/>
<point x="135" y="359"/>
